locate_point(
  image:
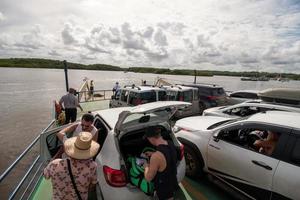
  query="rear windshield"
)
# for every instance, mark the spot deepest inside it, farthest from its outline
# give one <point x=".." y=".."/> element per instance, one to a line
<point x="142" y="98"/>
<point x="217" y="92"/>
<point x="186" y="96"/>
<point x="162" y="96"/>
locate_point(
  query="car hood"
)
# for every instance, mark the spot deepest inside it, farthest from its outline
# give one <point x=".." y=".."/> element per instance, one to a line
<point x="214" y="109"/>
<point x="199" y="122"/>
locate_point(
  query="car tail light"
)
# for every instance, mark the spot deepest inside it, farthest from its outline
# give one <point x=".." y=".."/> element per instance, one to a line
<point x="181" y="151"/>
<point x="114" y="177"/>
<point x="212" y="97"/>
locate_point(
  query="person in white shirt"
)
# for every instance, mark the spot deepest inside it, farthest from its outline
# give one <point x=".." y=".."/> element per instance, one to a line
<point x="116" y="89"/>
<point x="86" y="125"/>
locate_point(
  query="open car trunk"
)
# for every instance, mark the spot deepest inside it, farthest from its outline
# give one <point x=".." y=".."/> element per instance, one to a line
<point x="132" y="143"/>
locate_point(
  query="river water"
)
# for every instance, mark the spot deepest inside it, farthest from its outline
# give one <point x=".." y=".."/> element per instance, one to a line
<point x="26" y="97"/>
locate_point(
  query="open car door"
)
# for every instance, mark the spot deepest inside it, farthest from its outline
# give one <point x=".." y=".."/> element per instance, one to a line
<point x="147" y="113"/>
<point x="49" y="142"/>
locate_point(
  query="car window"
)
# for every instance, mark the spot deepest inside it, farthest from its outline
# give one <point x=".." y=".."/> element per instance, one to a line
<point x="172" y="95"/>
<point x="243" y="111"/>
<point x="134" y="99"/>
<point x="251" y="96"/>
<point x="162" y="96"/>
<point x="217" y="92"/>
<point x="238" y="95"/>
<point x="186" y="96"/>
<point x="295" y="157"/>
<point x="260" y="140"/>
<point x="147" y="97"/>
<point x="204" y="91"/>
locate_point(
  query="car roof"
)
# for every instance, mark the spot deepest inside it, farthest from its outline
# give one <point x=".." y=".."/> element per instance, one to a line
<point x="246" y="91"/>
<point x="282" y="118"/>
<point x="179" y="87"/>
<point x="263" y="104"/>
<point x="203" y="85"/>
<point x="142" y="88"/>
<point x="111" y="115"/>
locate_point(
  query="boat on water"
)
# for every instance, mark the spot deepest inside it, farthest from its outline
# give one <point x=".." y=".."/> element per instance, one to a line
<point x="263" y="78"/>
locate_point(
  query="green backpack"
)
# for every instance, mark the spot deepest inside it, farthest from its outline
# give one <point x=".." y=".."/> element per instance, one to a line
<point x="136" y="175"/>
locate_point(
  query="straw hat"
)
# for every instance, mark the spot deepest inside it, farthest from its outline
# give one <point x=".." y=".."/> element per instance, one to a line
<point x="81" y="147"/>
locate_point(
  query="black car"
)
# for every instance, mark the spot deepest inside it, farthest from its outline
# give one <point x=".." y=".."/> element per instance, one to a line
<point x="210" y="95"/>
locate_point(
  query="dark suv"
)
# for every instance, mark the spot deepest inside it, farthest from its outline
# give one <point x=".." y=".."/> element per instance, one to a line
<point x="210" y="95"/>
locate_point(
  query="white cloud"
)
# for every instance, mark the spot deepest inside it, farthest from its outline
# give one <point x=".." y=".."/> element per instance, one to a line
<point x="211" y="34"/>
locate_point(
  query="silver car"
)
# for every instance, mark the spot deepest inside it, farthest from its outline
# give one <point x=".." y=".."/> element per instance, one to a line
<point x="242" y="96"/>
<point x="246" y="109"/>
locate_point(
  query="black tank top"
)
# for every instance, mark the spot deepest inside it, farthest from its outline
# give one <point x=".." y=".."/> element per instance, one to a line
<point x="165" y="182"/>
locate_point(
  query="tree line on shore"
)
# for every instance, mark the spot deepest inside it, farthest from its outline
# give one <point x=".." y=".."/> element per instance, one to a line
<point x="56" y="64"/>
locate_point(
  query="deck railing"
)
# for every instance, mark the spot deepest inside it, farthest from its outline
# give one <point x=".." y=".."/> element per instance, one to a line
<point x="29" y="171"/>
<point x="97" y="95"/>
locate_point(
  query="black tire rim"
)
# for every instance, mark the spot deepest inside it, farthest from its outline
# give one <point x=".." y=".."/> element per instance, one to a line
<point x="190" y="163"/>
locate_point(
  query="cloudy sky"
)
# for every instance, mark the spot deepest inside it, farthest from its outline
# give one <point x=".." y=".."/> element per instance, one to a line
<point x="239" y="35"/>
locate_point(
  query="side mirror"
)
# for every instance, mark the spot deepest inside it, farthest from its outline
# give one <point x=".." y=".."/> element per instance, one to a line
<point x="216" y="137"/>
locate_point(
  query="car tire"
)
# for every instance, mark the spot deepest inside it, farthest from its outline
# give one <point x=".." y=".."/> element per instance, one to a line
<point x="193" y="163"/>
<point x="201" y="107"/>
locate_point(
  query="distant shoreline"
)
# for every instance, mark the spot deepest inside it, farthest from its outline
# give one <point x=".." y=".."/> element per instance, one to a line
<point x="56" y="64"/>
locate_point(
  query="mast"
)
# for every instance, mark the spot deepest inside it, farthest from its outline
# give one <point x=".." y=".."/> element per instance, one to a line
<point x="66" y="75"/>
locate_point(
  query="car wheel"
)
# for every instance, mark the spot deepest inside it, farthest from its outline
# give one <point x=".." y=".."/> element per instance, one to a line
<point x="201" y="107"/>
<point x="193" y="164"/>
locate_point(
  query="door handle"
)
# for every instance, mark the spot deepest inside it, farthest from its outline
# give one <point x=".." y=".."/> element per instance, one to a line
<point x="214" y="146"/>
<point x="261" y="164"/>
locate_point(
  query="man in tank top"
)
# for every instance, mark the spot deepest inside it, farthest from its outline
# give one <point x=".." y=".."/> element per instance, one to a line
<point x="86" y="125"/>
<point x="162" y="168"/>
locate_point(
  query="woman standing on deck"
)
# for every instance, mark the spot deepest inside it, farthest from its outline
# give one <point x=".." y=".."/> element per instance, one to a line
<point x="73" y="177"/>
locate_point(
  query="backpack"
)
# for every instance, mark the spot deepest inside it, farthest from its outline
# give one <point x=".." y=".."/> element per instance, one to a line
<point x="136" y="174"/>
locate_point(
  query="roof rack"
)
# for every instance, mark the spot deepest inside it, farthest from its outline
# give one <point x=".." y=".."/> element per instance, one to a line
<point x="132" y="86"/>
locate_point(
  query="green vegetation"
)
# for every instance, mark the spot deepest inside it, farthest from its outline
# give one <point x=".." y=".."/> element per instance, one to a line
<point x="56" y="64"/>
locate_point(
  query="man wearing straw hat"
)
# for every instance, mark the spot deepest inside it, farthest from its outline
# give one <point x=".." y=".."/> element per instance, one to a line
<point x="73" y="177"/>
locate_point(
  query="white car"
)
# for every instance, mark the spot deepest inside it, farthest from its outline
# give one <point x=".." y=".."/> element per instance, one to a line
<point x="242" y="96"/>
<point x="135" y="95"/>
<point x="186" y="94"/>
<point x="246" y="109"/>
<point x="224" y="148"/>
<point x="121" y="132"/>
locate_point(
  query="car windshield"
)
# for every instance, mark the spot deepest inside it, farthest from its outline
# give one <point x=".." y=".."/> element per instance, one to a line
<point x="142" y="98"/>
